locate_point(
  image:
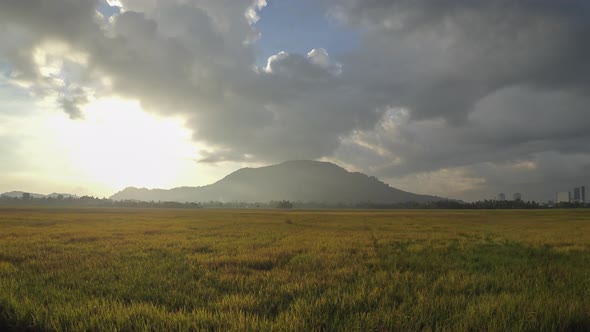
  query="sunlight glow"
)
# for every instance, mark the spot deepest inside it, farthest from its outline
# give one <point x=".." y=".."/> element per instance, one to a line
<point x="119" y="145"/>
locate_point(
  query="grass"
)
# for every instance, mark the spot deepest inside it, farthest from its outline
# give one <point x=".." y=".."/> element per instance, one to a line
<point x="166" y="270"/>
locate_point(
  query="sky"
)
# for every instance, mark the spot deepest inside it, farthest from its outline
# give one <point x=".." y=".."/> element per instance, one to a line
<point x="461" y="99"/>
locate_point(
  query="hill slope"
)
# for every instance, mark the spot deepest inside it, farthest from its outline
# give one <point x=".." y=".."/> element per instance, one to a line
<point x="301" y="180"/>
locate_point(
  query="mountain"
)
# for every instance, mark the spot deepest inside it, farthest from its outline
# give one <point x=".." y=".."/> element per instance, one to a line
<point x="19" y="194"/>
<point x="301" y="180"/>
<point x="63" y="195"/>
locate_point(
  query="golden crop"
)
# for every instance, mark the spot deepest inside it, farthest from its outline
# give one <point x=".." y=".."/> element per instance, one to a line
<point x="166" y="269"/>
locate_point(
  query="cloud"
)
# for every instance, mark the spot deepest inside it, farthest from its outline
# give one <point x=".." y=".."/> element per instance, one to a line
<point x="440" y="58"/>
<point x="71" y="106"/>
<point x="433" y="86"/>
<point x="316" y="64"/>
<point x="475" y="86"/>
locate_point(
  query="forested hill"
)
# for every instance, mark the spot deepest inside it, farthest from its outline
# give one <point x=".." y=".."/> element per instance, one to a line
<point x="301" y="180"/>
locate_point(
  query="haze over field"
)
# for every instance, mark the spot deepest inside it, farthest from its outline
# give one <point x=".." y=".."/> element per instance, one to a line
<point x="460" y="99"/>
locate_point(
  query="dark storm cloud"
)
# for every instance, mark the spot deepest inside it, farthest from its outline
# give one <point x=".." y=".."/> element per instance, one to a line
<point x="433" y="85"/>
<point x="450" y="54"/>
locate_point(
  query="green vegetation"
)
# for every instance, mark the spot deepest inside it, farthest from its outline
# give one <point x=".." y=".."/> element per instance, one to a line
<point x="182" y="269"/>
<point x="27" y="200"/>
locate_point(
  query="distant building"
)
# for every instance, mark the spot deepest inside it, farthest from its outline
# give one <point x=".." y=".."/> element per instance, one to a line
<point x="501" y="197"/>
<point x="579" y="195"/>
<point x="517" y="197"/>
<point x="562" y="197"/>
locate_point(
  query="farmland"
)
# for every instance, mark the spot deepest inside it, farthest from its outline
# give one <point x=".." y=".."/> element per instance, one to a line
<point x="180" y="269"/>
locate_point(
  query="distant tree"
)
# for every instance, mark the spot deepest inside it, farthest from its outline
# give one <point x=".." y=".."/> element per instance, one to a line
<point x="284" y="205"/>
<point x="26" y="196"/>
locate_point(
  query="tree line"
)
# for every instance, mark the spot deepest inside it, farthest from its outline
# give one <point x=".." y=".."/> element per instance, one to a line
<point x="91" y="201"/>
